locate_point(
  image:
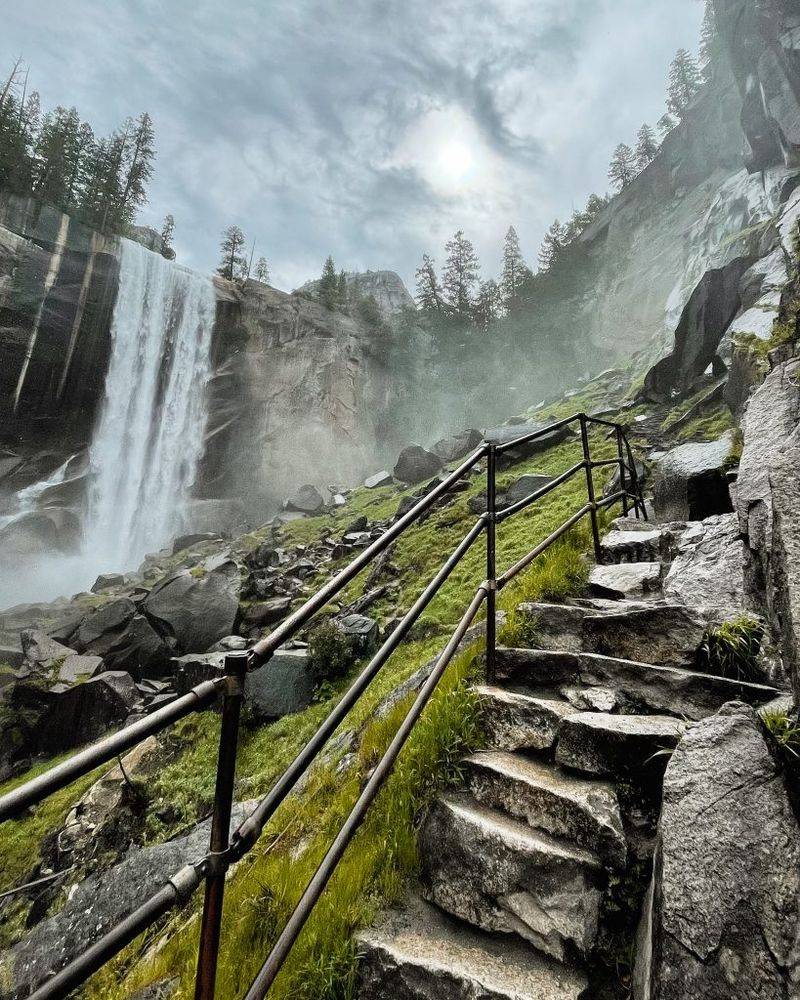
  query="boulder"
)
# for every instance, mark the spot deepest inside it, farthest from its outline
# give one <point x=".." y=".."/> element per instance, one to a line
<point x="705" y="318"/>
<point x="724" y="908"/>
<point x="84" y="712"/>
<point x="102" y="818"/>
<point x="708" y="569"/>
<point x="107" y="580"/>
<point x="138" y="649"/>
<point x="361" y="629"/>
<point x="41" y="531"/>
<point x="518" y="490"/>
<point x="195" y="668"/>
<point x="100" y="629"/>
<point x="41" y="653"/>
<point x="415" y="464"/>
<point x="76" y="668"/>
<point x="457" y="446"/>
<point x="691" y="481"/>
<point x="196" y="611"/>
<point x="383" y="478"/>
<point x="307" y="500"/>
<point x="504" y="435"/>
<point x="101" y="901"/>
<point x="195" y="538"/>
<point x="282" y="686"/>
<point x="266" y="612"/>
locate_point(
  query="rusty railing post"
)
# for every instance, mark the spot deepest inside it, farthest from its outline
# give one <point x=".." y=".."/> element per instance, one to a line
<point x="587" y="463"/>
<point x="491" y="570"/>
<point x="623" y="483"/>
<point x="208" y="951"/>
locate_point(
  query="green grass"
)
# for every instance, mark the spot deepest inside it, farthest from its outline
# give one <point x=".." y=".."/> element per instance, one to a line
<point x="731" y="649"/>
<point x="265" y="888"/>
<point x="784" y="730"/>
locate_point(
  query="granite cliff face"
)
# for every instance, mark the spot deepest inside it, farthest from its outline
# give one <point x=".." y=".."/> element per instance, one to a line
<point x="385" y="287"/>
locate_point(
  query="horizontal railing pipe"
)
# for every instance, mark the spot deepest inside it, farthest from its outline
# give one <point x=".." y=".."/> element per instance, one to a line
<point x="104" y="750"/>
<point x="316" y="886"/>
<point x="515" y="508"/>
<point x="267" y="646"/>
<point x="175" y="892"/>
<point x="518" y="567"/>
<point x="535" y="435"/>
<point x="250" y="830"/>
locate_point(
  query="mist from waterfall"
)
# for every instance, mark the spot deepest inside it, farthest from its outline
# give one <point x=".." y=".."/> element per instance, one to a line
<point x="149" y="437"/>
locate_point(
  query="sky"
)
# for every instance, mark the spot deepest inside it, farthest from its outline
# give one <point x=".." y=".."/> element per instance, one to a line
<point x="367" y="129"/>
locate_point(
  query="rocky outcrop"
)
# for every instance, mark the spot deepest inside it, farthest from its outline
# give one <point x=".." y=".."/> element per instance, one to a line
<point x="725" y="902"/>
<point x="708" y="568"/>
<point x="385" y="287"/>
<point x="766" y="502"/>
<point x="691" y="481"/>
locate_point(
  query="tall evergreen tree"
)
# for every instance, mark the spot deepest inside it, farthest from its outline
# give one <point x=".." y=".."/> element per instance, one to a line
<point x="329" y="285"/>
<point x="459" y="275"/>
<point x="262" y="270"/>
<point x="646" y="146"/>
<point x="488" y="303"/>
<point x="341" y="290"/>
<point x="137" y="164"/>
<point x="233" y="263"/>
<point x="167" y="231"/>
<point x="555" y="239"/>
<point x="684" y="83"/>
<point x="429" y="294"/>
<point x="515" y="271"/>
<point x="15" y="138"/>
<point x="710" y="41"/>
<point x="623" y="166"/>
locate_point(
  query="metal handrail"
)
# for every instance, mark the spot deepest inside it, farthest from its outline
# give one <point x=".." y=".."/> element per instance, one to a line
<point x="225" y="849"/>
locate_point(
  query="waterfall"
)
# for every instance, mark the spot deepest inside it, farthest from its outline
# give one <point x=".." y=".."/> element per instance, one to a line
<point x="149" y="437"/>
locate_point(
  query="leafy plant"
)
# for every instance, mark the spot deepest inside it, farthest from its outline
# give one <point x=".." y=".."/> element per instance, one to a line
<point x="784" y="730"/>
<point x="732" y="648"/>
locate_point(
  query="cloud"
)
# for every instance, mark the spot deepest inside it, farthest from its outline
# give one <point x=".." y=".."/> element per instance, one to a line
<point x="369" y="129"/>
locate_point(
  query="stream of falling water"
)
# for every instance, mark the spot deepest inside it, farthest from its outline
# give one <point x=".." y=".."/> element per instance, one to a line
<point x="149" y="437"/>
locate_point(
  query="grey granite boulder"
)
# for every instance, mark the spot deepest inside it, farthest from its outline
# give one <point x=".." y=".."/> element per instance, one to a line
<point x="724" y="910"/>
<point x="415" y="464"/>
<point x="307" y="500"/>
<point x="196" y="610"/>
<point x="282" y="686"/>
<point x="457" y="446"/>
<point x="708" y="569"/>
<point x="83" y="712"/>
<point x="691" y="482"/>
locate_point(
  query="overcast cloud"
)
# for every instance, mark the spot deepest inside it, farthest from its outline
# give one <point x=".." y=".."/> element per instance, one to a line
<point x="366" y="129"/>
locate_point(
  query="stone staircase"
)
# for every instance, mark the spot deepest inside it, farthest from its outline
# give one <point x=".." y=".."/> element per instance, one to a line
<point x="533" y="873"/>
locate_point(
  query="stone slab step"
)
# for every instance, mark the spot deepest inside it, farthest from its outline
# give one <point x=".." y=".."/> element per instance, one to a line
<point x="416" y="952"/>
<point x="547" y="798"/>
<point x="634" y="579"/>
<point x="515" y="720"/>
<point x="618" y="746"/>
<point x="650" y="632"/>
<point x="631" y="541"/>
<point x="498" y="874"/>
<point x="639" y="687"/>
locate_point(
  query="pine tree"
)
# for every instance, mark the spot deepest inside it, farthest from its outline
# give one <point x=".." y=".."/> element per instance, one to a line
<point x="429" y="294"/>
<point x="233" y="263"/>
<point x="341" y="290"/>
<point x="684" y="83"/>
<point x="555" y="239"/>
<point x="515" y="271"/>
<point x="329" y="285"/>
<point x="646" y="146"/>
<point x="459" y="275"/>
<point x="262" y="270"/>
<point x="666" y="123"/>
<point x="137" y="165"/>
<point x="623" y="166"/>
<point x="15" y="137"/>
<point x="167" y="231"/>
<point x="488" y="304"/>
<point x="710" y="42"/>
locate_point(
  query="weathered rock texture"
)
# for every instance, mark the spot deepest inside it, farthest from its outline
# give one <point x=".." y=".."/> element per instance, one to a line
<point x="769" y="515"/>
<point x="725" y="908"/>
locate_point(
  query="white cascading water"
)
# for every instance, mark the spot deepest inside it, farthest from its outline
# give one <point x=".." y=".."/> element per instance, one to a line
<point x="149" y="436"/>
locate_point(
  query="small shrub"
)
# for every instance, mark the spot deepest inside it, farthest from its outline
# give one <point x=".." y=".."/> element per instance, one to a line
<point x="731" y="649"/>
<point x="331" y="653"/>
